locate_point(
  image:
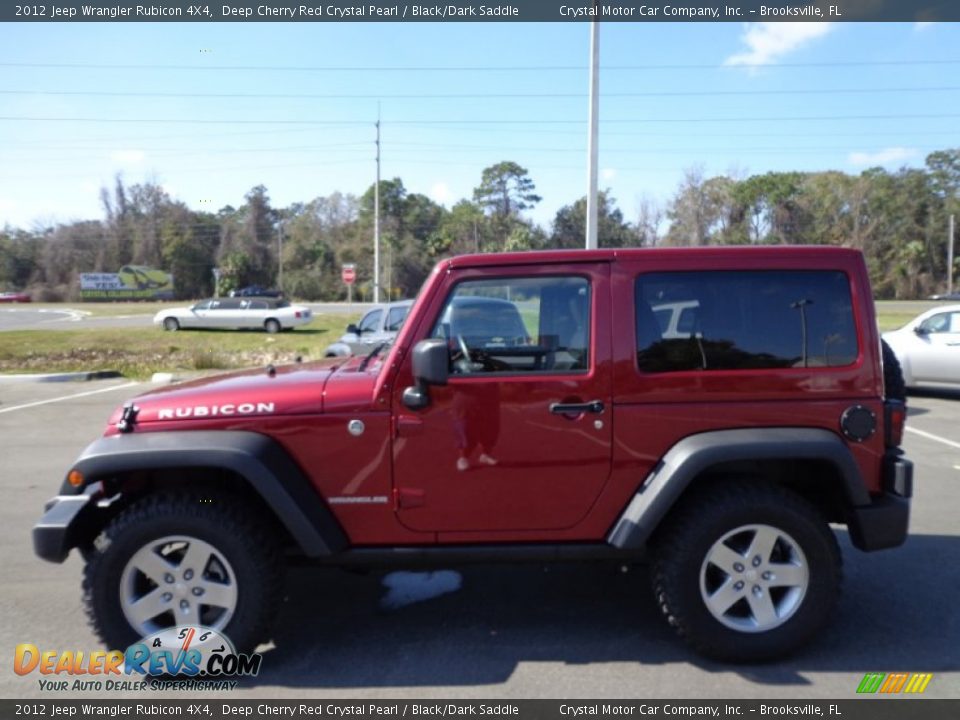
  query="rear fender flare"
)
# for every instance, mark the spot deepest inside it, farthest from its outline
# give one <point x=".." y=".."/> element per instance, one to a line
<point x="695" y="454"/>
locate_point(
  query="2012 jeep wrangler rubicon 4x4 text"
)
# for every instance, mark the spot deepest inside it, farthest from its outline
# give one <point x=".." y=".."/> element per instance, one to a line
<point x="711" y="409"/>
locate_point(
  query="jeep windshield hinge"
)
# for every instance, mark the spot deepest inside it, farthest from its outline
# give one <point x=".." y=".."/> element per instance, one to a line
<point x="128" y="419"/>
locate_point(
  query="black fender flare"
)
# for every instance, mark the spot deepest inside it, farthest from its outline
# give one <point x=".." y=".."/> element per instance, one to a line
<point x="260" y="460"/>
<point x="696" y="453"/>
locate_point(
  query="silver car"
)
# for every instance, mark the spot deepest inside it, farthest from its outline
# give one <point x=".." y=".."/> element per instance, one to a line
<point x="380" y="324"/>
<point x="270" y="314"/>
<point x="928" y="347"/>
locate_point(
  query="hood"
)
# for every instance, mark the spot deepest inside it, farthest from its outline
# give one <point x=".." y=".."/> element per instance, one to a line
<point x="308" y="388"/>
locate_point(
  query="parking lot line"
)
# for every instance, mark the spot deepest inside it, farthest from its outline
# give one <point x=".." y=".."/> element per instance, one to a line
<point x="931" y="436"/>
<point x="67" y="397"/>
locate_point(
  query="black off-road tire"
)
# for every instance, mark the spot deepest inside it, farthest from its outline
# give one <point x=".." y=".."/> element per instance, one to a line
<point x="705" y="516"/>
<point x="894" y="387"/>
<point x="223" y="521"/>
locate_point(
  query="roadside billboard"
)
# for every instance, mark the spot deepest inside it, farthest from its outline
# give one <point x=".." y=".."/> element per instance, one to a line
<point x="131" y="282"/>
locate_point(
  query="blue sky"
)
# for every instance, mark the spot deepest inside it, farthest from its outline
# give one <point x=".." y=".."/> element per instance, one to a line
<point x="725" y="97"/>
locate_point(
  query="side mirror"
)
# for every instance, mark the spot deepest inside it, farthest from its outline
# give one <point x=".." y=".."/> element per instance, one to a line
<point x="921" y="330"/>
<point x="431" y="366"/>
<point x="353" y="329"/>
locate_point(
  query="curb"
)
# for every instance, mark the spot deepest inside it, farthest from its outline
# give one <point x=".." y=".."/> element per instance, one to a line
<point x="60" y="377"/>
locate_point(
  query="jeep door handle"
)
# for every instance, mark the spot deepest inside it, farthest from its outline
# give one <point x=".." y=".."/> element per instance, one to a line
<point x="595" y="406"/>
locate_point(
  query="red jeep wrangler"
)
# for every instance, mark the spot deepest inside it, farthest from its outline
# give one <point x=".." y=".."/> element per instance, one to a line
<point x="714" y="409"/>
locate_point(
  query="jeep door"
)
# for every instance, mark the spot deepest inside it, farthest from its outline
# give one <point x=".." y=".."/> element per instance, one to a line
<point x="520" y="437"/>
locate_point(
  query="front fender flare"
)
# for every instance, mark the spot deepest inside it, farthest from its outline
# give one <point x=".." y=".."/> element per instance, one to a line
<point x="260" y="460"/>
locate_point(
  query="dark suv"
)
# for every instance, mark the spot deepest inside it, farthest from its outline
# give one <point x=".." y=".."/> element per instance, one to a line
<point x="537" y="407"/>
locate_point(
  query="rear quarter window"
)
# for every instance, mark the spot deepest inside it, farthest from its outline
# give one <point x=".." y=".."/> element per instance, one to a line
<point x="744" y="320"/>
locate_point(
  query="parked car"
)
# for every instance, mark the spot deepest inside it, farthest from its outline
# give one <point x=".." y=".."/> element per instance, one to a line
<point x="950" y="297"/>
<point x="256" y="291"/>
<point x="380" y="324"/>
<point x="272" y="315"/>
<point x="928" y="347"/>
<point x="14" y="297"/>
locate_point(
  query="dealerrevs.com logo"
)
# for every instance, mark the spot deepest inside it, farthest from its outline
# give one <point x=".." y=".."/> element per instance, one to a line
<point x="189" y="657"/>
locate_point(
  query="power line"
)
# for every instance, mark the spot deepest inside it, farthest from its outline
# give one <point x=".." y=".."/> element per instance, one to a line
<point x="543" y="121"/>
<point x="478" y="96"/>
<point x="111" y="142"/>
<point x="482" y="68"/>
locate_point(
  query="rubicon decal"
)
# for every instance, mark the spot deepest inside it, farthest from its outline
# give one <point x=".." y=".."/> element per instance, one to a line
<point x="260" y="408"/>
<point x="892" y="683"/>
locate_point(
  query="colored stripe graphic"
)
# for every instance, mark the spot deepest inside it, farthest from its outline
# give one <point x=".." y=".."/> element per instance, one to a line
<point x="918" y="683"/>
<point x="893" y="683"/>
<point x="870" y="683"/>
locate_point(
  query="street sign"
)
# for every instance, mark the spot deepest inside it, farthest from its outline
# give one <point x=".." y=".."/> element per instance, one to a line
<point x="349" y="273"/>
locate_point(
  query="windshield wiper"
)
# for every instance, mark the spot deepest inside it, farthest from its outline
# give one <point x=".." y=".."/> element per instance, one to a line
<point x="371" y="355"/>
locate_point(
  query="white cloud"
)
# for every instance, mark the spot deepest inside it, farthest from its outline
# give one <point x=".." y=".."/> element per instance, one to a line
<point x="128" y="157"/>
<point x="883" y="157"/>
<point x="440" y="193"/>
<point x="608" y="174"/>
<point x="767" y="42"/>
<point x="90" y="186"/>
<point x="7" y="206"/>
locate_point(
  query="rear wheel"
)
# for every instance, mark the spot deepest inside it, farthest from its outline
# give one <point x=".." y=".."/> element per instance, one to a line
<point x="272" y="326"/>
<point x="746" y="572"/>
<point x="174" y="560"/>
<point x="171" y="324"/>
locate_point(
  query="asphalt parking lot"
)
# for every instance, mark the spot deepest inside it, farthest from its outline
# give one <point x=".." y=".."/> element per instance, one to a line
<point x="502" y="632"/>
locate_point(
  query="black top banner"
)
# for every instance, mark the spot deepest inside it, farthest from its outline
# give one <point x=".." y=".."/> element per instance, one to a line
<point x="492" y="11"/>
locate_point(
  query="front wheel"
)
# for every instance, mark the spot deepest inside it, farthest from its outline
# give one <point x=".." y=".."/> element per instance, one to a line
<point x="170" y="324"/>
<point x="174" y="560"/>
<point x="272" y="326"/>
<point x="746" y="572"/>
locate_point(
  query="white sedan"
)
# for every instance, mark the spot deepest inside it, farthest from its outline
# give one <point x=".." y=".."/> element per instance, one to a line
<point x="928" y="347"/>
<point x="271" y="314"/>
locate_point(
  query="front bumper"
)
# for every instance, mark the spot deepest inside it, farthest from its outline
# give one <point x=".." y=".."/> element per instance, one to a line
<point x="883" y="523"/>
<point x="62" y="524"/>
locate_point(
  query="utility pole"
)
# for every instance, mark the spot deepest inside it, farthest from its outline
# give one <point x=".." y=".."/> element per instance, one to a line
<point x="592" y="134"/>
<point x="376" y="220"/>
<point x="280" y="256"/>
<point x="950" y="257"/>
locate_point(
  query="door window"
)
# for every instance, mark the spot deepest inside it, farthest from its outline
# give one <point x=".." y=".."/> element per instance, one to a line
<point x="371" y="321"/>
<point x="942" y="323"/>
<point x="395" y="318"/>
<point x="510" y="325"/>
<point x="744" y="320"/>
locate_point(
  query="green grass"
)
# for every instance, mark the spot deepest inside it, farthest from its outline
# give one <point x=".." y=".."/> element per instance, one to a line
<point x="140" y="352"/>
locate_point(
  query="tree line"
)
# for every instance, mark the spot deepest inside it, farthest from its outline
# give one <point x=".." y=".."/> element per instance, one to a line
<point x="898" y="219"/>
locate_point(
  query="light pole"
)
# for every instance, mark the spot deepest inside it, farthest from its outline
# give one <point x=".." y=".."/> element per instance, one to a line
<point x="592" y="153"/>
<point x="376" y="221"/>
